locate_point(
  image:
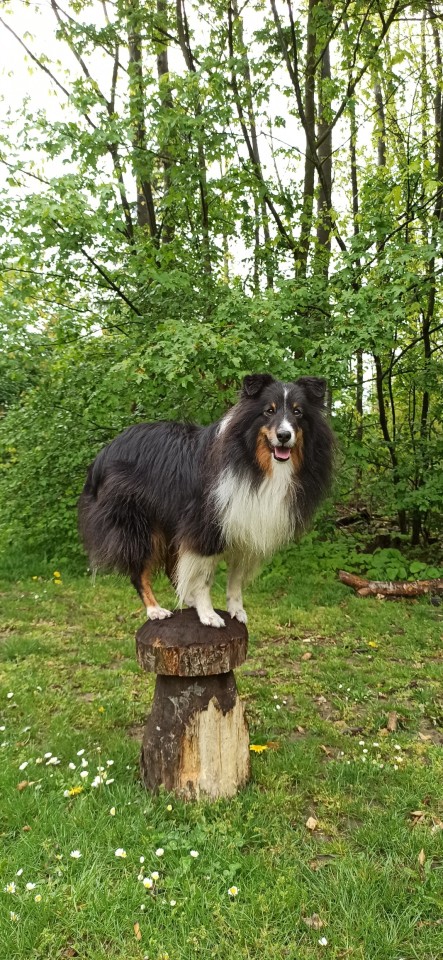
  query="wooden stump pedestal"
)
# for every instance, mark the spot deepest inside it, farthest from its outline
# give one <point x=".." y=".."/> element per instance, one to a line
<point x="196" y="740"/>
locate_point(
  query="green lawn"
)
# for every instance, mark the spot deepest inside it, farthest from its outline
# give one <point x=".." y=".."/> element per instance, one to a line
<point x="325" y="671"/>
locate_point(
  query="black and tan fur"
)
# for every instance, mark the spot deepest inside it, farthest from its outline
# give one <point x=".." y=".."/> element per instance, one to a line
<point x="179" y="496"/>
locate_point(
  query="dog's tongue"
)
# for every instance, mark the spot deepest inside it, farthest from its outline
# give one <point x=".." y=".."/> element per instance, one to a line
<point x="282" y="453"/>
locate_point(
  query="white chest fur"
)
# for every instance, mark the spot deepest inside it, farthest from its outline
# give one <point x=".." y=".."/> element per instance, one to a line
<point x="260" y="519"/>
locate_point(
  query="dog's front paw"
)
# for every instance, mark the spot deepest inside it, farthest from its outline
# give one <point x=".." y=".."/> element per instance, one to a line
<point x="237" y="612"/>
<point x="211" y="619"/>
<point x="157" y="613"/>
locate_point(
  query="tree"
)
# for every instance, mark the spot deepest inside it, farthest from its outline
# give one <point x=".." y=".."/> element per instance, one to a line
<point x="226" y="190"/>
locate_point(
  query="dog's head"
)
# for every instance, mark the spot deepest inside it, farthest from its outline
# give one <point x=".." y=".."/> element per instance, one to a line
<point x="278" y="415"/>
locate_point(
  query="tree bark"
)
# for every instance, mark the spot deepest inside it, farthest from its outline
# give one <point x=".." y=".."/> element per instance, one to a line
<point x="185" y="46"/>
<point x="145" y="200"/>
<point x="167" y="226"/>
<point x="196" y="740"/>
<point x="390" y="588"/>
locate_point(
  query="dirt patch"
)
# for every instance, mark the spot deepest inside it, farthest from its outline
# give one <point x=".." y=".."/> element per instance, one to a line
<point x="427" y="733"/>
<point x="136" y="731"/>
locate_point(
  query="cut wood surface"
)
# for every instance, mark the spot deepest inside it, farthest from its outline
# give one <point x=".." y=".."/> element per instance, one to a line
<point x="196" y="740"/>
<point x="181" y="646"/>
<point x="390" y="588"/>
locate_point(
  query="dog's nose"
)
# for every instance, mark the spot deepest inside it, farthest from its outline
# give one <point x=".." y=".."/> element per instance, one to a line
<point x="283" y="436"/>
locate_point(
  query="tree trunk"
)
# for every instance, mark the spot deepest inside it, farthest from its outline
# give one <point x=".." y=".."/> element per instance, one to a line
<point x="145" y="200"/>
<point x="309" y="174"/>
<point x="196" y="740"/>
<point x="325" y="160"/>
<point x="185" y="46"/>
<point x="167" y="227"/>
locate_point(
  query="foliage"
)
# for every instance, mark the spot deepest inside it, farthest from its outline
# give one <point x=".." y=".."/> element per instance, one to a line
<point x="164" y="232"/>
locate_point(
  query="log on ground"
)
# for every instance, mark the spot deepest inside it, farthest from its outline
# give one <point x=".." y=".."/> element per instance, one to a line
<point x="390" y="588"/>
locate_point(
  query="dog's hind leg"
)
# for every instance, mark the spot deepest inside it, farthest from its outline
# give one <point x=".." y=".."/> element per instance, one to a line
<point x="142" y="583"/>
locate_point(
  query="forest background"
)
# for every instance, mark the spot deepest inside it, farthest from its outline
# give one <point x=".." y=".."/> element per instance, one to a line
<point x="224" y="187"/>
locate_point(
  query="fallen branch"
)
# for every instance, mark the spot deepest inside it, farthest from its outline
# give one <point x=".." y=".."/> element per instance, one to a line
<point x="390" y="588"/>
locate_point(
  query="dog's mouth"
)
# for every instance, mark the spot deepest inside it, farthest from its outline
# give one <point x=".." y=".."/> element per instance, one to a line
<point x="281" y="453"/>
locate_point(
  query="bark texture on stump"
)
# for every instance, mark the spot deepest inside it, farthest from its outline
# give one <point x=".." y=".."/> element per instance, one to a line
<point x="196" y="740"/>
<point x="181" y="646"/>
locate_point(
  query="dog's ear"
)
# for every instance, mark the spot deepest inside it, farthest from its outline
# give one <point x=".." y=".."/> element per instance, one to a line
<point x="315" y="389"/>
<point x="254" y="384"/>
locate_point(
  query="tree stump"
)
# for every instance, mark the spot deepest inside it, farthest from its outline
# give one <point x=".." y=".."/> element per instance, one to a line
<point x="196" y="740"/>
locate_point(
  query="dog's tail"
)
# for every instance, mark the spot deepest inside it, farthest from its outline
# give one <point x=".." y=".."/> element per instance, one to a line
<point x="113" y="520"/>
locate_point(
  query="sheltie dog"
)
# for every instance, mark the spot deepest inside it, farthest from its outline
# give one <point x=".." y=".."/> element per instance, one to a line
<point x="180" y="497"/>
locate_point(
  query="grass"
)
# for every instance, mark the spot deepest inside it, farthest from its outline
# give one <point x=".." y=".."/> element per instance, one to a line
<point x="325" y="671"/>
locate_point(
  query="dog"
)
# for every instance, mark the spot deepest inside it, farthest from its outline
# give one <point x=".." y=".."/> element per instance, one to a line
<point x="180" y="497"/>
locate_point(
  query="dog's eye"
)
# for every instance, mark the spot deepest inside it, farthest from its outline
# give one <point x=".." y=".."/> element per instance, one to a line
<point x="297" y="412"/>
<point x="269" y="411"/>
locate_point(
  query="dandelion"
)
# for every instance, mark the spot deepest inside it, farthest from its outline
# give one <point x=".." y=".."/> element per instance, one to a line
<point x="257" y="747"/>
<point x="159" y="852"/>
<point x="75" y="854"/>
<point x="30" y="886"/>
<point x="10" y="888"/>
<point x="38" y="897"/>
<point x="233" y="891"/>
<point x="56" y="574"/>
<point x="148" y="883"/>
<point x="193" y="853"/>
<point x="120" y="853"/>
<point x="74" y="791"/>
<point x="112" y="811"/>
<point x="169" y="807"/>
